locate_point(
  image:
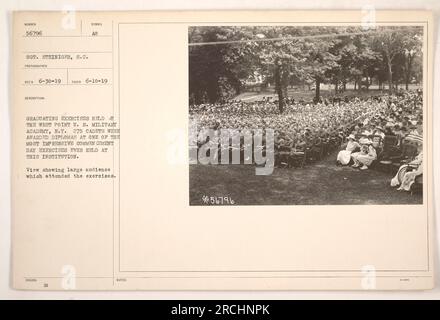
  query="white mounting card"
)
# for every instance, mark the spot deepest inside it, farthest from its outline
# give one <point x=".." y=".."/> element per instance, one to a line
<point x="309" y="135"/>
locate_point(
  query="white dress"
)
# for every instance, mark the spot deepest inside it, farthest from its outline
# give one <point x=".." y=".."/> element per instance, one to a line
<point x="365" y="158"/>
<point x="344" y="155"/>
<point x="406" y="179"/>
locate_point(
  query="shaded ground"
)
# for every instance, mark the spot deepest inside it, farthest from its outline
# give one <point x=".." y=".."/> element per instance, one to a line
<point x="322" y="183"/>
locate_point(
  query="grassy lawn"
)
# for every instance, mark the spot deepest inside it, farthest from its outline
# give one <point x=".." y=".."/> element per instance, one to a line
<point x="322" y="183"/>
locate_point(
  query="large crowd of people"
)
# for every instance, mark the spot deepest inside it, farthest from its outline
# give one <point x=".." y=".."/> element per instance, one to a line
<point x="359" y="127"/>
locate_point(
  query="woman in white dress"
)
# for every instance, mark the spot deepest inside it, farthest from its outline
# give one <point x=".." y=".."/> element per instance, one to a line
<point x="366" y="156"/>
<point x="344" y="155"/>
<point x="407" y="173"/>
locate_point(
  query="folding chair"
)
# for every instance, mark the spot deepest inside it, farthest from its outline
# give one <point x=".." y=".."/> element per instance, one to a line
<point x="417" y="187"/>
<point x="389" y="149"/>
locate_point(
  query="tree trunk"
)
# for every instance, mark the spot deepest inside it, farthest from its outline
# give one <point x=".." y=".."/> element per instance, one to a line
<point x="278" y="87"/>
<point x="409" y="62"/>
<point x="407" y="78"/>
<point x="390" y="74"/>
<point x="317" y="90"/>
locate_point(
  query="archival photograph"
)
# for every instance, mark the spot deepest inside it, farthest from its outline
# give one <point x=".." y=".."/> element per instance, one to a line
<point x="305" y="115"/>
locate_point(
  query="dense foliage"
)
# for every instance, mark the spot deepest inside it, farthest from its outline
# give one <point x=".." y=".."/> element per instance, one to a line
<point x="230" y="59"/>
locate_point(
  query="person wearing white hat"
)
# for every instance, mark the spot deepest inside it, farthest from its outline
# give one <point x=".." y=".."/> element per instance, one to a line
<point x="344" y="155"/>
<point x="366" y="156"/>
<point x="379" y="132"/>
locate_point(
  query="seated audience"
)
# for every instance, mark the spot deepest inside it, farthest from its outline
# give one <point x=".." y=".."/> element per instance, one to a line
<point x="344" y="156"/>
<point x="366" y="156"/>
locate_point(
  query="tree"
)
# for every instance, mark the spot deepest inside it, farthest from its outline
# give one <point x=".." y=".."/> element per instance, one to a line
<point x="279" y="60"/>
<point x="412" y="44"/>
<point x="285" y="55"/>
<point x="389" y="43"/>
<point x="215" y="71"/>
